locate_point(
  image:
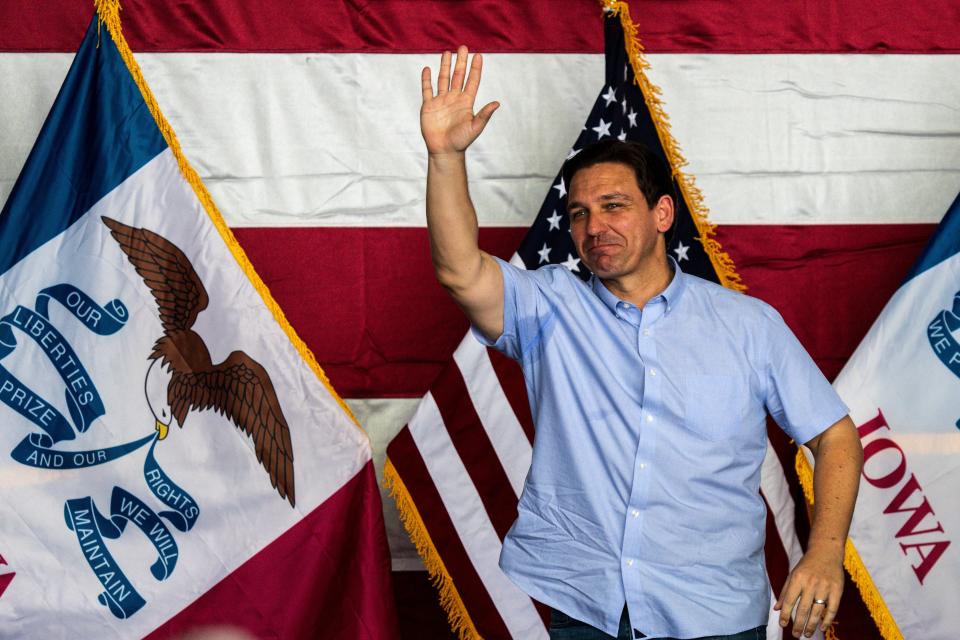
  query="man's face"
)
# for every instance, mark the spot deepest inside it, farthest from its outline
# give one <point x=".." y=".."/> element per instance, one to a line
<point x="614" y="230"/>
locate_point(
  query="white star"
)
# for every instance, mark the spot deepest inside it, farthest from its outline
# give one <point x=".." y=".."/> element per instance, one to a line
<point x="571" y="263"/>
<point x="554" y="220"/>
<point x="632" y="117"/>
<point x="602" y="129"/>
<point x="561" y="188"/>
<point x="623" y="135"/>
<point x="681" y="252"/>
<point x="609" y="96"/>
<point x="573" y="152"/>
<point x="544" y="253"/>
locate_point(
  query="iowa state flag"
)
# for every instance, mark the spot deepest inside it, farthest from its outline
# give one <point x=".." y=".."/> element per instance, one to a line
<point x="172" y="455"/>
<point x="903" y="388"/>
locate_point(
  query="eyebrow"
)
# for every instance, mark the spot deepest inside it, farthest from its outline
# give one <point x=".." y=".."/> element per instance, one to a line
<point x="607" y="197"/>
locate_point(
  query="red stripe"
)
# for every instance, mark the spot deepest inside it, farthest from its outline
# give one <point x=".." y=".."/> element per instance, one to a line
<point x="829" y="282"/>
<point x="320" y="579"/>
<point x="476" y="451"/>
<point x="406" y="459"/>
<point x="510" y="376"/>
<point x="394" y="26"/>
<point x="367" y="303"/>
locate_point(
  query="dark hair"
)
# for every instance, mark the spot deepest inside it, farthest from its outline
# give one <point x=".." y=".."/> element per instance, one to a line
<point x="653" y="175"/>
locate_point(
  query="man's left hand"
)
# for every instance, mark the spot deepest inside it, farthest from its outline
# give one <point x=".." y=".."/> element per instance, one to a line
<point x="812" y="592"/>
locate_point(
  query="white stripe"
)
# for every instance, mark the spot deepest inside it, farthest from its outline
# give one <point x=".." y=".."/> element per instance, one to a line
<point x="499" y="421"/>
<point x="333" y="140"/>
<point x="473" y="527"/>
<point x="776" y="489"/>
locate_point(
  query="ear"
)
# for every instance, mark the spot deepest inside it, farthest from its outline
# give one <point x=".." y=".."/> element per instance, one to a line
<point x="664" y="212"/>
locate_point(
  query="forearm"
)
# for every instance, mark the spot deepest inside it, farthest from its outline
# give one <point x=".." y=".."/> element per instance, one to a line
<point x="838" y="461"/>
<point x="452" y="221"/>
<point x="812" y="591"/>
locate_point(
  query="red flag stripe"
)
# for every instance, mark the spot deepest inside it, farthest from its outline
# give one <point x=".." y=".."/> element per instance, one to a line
<point x="357" y="555"/>
<point x="406" y="459"/>
<point x="393" y="328"/>
<point x="473" y="445"/>
<point x="492" y="25"/>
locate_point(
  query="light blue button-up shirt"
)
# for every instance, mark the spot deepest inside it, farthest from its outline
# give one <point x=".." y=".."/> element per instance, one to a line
<point x="650" y="433"/>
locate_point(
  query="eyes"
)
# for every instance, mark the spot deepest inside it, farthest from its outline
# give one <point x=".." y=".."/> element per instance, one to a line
<point x="579" y="213"/>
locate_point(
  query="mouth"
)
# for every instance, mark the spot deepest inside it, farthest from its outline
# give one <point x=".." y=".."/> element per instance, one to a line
<point x="601" y="249"/>
<point x="162" y="429"/>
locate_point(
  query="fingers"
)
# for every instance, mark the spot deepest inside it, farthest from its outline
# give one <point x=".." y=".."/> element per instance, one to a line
<point x="473" y="80"/>
<point x="425" y="83"/>
<point x="787" y="600"/>
<point x="809" y="612"/>
<point x="443" y="80"/>
<point x="833" y="604"/>
<point x="460" y="69"/>
<point x="484" y="114"/>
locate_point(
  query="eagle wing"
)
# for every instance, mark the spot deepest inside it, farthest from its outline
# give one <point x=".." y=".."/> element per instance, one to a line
<point x="240" y="388"/>
<point x="165" y="269"/>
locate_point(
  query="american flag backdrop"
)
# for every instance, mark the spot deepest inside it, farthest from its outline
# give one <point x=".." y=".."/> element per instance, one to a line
<point x="457" y="469"/>
<point x="823" y="136"/>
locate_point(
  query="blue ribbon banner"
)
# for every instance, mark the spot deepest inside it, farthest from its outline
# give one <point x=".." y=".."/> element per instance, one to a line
<point x="126" y="507"/>
<point x="185" y="510"/>
<point x="939" y="333"/>
<point x="91" y="528"/>
<point x="104" y="321"/>
<point x="35" y="451"/>
<point x="31" y="406"/>
<point x="82" y="398"/>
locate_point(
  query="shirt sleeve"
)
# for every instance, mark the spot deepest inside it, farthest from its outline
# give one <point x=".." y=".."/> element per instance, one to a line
<point x="799" y="397"/>
<point x="525" y="307"/>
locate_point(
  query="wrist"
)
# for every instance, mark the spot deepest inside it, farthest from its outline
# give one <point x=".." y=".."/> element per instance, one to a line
<point x="446" y="160"/>
<point x="829" y="548"/>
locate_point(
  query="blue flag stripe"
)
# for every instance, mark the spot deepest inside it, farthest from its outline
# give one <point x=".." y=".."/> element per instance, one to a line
<point x="944" y="243"/>
<point x="98" y="133"/>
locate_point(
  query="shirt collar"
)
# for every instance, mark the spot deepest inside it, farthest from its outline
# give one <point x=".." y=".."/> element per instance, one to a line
<point x="670" y="295"/>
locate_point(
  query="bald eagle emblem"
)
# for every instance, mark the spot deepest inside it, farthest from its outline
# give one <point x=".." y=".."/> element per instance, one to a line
<point x="182" y="377"/>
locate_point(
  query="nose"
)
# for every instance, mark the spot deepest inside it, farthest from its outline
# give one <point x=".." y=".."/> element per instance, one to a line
<point x="595" y="225"/>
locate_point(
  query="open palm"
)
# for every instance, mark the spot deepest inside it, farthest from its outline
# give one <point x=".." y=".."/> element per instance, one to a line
<point x="447" y="120"/>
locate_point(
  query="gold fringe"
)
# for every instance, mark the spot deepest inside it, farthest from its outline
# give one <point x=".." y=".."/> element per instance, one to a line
<point x="722" y="262"/>
<point x="450" y="600"/>
<point x="108" y="13"/>
<point x="854" y="564"/>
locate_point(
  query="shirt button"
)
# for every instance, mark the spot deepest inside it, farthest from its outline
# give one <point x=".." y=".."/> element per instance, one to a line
<point x="643" y="465"/>
<point x="646" y="332"/>
<point x="649" y="418"/>
<point x="653" y="372"/>
<point x="630" y="562"/>
<point x="635" y="513"/>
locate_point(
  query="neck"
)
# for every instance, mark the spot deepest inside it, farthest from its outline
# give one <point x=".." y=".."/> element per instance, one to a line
<point x="640" y="286"/>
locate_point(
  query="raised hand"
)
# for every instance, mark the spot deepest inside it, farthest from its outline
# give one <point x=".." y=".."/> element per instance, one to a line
<point x="447" y="120"/>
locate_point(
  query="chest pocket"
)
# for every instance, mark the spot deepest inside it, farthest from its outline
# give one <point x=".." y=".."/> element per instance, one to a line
<point x="718" y="407"/>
